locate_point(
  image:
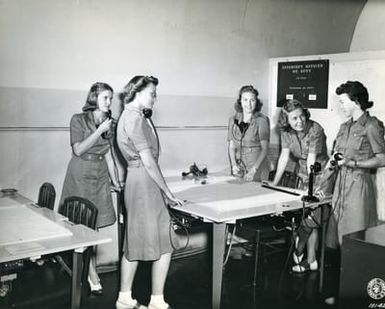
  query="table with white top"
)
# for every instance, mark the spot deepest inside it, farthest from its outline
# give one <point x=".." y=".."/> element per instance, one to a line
<point x="28" y="231"/>
<point x="222" y="200"/>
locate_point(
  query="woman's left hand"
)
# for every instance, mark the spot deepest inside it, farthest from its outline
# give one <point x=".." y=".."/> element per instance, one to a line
<point x="250" y="175"/>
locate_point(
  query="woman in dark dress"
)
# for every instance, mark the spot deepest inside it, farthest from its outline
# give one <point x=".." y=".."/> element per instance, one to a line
<point x="148" y="234"/>
<point x="92" y="167"/>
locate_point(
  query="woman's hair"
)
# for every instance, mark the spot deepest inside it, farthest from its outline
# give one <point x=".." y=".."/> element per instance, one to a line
<point x="248" y="88"/>
<point x="356" y="92"/>
<point x="135" y="85"/>
<point x="287" y="107"/>
<point x="93" y="93"/>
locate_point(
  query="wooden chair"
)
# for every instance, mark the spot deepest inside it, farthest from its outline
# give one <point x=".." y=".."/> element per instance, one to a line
<point x="79" y="211"/>
<point x="46" y="196"/>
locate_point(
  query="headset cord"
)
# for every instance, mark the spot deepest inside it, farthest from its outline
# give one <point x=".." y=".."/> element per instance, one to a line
<point x="243" y="132"/>
<point x="172" y="215"/>
<point x="157" y="138"/>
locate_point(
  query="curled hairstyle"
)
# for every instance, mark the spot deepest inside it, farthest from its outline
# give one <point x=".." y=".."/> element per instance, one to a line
<point x="93" y="93"/>
<point x="135" y="85"/>
<point x="356" y="92"/>
<point x="289" y="106"/>
<point x="248" y="88"/>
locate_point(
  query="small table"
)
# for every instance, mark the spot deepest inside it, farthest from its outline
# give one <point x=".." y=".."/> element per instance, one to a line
<point x="43" y="232"/>
<point x="224" y="199"/>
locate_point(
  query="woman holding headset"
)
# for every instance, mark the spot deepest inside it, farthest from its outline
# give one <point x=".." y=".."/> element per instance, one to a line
<point x="248" y="137"/>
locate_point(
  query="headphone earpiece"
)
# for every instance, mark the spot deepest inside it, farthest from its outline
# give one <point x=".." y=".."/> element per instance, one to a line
<point x="147" y="112"/>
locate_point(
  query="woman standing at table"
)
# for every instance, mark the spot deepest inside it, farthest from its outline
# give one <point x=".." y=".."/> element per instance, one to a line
<point x="248" y="137"/>
<point x="92" y="166"/>
<point x="146" y="193"/>
<point x="305" y="141"/>
<point x="360" y="141"/>
<point x="361" y="147"/>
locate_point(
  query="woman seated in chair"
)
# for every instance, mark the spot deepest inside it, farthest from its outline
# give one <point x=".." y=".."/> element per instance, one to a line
<point x="305" y="141"/>
<point x="248" y="137"/>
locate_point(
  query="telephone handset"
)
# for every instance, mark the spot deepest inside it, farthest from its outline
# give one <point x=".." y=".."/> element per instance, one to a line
<point x="147" y="112"/>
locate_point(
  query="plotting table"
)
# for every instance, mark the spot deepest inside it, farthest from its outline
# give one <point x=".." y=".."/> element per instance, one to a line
<point x="28" y="231"/>
<point x="225" y="199"/>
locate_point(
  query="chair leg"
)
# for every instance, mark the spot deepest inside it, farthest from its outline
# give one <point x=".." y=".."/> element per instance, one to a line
<point x="256" y="256"/>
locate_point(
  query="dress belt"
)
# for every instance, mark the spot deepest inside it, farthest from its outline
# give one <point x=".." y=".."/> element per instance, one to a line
<point x="134" y="163"/>
<point x="92" y="157"/>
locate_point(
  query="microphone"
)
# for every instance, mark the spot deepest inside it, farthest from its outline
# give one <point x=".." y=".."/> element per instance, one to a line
<point x="315" y="168"/>
<point x="243" y="126"/>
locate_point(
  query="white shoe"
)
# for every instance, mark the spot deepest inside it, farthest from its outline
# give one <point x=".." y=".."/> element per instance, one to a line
<point x="330" y="300"/>
<point x="305" y="266"/>
<point x="96" y="289"/>
<point x="297" y="258"/>
<point x="132" y="305"/>
<point x="163" y="306"/>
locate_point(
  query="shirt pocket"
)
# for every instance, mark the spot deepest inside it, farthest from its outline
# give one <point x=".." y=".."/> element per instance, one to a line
<point x="359" y="141"/>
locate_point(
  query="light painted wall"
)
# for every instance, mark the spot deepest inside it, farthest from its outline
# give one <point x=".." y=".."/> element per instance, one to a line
<point x="202" y="52"/>
<point x="367" y="67"/>
<point x="369" y="34"/>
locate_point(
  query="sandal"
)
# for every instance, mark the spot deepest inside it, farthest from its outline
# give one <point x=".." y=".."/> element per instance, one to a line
<point x="96" y="289"/>
<point x="156" y="307"/>
<point x="305" y="266"/>
<point x="297" y="258"/>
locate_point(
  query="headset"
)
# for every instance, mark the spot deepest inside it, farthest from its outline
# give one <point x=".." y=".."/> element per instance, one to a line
<point x="338" y="156"/>
<point x="147" y="112"/>
<point x="242" y="126"/>
<point x="194" y="169"/>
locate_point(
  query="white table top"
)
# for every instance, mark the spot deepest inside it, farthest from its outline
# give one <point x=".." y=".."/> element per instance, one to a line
<point x="29" y="231"/>
<point x="226" y="198"/>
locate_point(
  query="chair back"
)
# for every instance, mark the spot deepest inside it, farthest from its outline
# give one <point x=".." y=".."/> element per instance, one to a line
<point x="46" y="196"/>
<point x="79" y="211"/>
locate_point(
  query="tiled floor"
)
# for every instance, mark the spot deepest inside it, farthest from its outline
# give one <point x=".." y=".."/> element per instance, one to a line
<point x="188" y="286"/>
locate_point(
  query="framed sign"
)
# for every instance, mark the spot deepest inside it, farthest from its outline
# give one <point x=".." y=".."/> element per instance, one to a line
<point x="306" y="81"/>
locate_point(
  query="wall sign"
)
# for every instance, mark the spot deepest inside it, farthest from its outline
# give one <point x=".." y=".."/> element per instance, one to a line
<point x="306" y="81"/>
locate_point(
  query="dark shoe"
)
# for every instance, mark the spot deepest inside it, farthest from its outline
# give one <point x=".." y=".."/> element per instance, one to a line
<point x="96" y="289"/>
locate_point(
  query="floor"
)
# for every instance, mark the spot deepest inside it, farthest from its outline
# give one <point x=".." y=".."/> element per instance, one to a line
<point x="188" y="285"/>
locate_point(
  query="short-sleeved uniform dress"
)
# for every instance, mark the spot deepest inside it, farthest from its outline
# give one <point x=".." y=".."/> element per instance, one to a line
<point x="311" y="140"/>
<point x="354" y="201"/>
<point x="148" y="221"/>
<point x="248" y="146"/>
<point x="87" y="175"/>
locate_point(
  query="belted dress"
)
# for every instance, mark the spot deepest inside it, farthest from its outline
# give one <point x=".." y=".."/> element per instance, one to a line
<point x="148" y="231"/>
<point x="354" y="199"/>
<point x="87" y="175"/>
<point x="248" y="145"/>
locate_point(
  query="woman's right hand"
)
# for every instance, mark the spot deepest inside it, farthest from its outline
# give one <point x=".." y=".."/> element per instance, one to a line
<point x="104" y="126"/>
<point x="174" y="201"/>
<point x="235" y="169"/>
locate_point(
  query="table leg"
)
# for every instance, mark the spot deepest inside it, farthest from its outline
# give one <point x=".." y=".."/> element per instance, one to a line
<point x="322" y="247"/>
<point x="76" y="288"/>
<point x="219" y="230"/>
